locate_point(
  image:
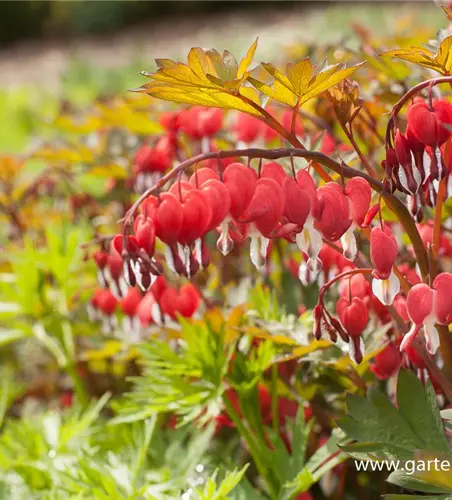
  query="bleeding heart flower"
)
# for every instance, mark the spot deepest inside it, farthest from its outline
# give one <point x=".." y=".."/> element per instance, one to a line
<point x="356" y="286"/>
<point x="148" y="310"/>
<point x="101" y="259"/>
<point x="198" y="121"/>
<point x="427" y="124"/>
<point x="334" y="216"/>
<point x="426" y="233"/>
<point x="354" y="316"/>
<point x="247" y="128"/>
<point x="202" y="175"/>
<point x="158" y="287"/>
<point x="219" y="200"/>
<point x="297" y="203"/>
<point x="274" y="171"/>
<point x="185" y="302"/>
<point x="359" y="194"/>
<point x="427" y="306"/>
<point x="114" y="272"/>
<point x="166" y="212"/>
<point x="107" y="302"/>
<point x="411" y="174"/>
<point x="130" y="302"/>
<point x="264" y="213"/>
<point x="309" y="240"/>
<point x="148" y="160"/>
<point x="144" y="229"/>
<point x="387" y="362"/>
<point x="129" y="305"/>
<point x="197" y="215"/>
<point x="241" y="183"/>
<point x="383" y="251"/>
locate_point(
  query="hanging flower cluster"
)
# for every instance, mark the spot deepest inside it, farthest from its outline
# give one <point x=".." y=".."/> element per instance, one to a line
<point x="418" y="159"/>
<point x="240" y="203"/>
<point x="160" y="304"/>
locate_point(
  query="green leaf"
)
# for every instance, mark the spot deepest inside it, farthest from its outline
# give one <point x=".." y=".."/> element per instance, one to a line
<point x="376" y="451"/>
<point x="420" y="409"/>
<point x="375" y="419"/>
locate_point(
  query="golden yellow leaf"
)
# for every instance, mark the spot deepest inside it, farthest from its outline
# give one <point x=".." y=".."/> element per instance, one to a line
<point x="121" y="115"/>
<point x="215" y="319"/>
<point x="440" y="61"/>
<point x="300" y="83"/>
<point x="261" y="334"/>
<point x="235" y="316"/>
<point x="444" y="54"/>
<point x="326" y="79"/>
<point x="315" y="345"/>
<point x="277" y="91"/>
<point x="199" y="96"/>
<point x="300" y="75"/>
<point x="208" y="79"/>
<point x="78" y="124"/>
<point x="65" y="155"/>
<point x="109" y="349"/>
<point x="10" y="167"/>
<point x="279" y="76"/>
<point x="109" y="170"/>
<point x="247" y="60"/>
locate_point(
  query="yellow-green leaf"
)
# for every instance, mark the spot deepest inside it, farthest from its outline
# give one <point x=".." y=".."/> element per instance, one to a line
<point x="300" y="84"/>
<point x="440" y="61"/>
<point x="277" y="91"/>
<point x="326" y="79"/>
<point x="208" y="79"/>
<point x="213" y="97"/>
<point x="300" y="75"/>
<point x="247" y="60"/>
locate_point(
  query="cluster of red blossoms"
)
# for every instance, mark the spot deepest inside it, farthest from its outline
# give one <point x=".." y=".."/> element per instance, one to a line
<point x="418" y="160"/>
<point x="239" y="203"/>
<point x="200" y="125"/>
<point x="160" y="304"/>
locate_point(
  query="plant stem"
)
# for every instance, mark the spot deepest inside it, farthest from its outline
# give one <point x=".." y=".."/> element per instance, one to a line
<point x="363" y="159"/>
<point x="436" y="241"/>
<point x="275" y="410"/>
<point x="407" y="96"/>
<point x="268" y="154"/>
<point x="69" y="348"/>
<point x="79" y="386"/>
<point x="290" y="137"/>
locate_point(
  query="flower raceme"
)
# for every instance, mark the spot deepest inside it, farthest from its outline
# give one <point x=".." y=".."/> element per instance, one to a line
<point x="418" y="159"/>
<point x="160" y="304"/>
<point x="427" y="306"/>
<point x="239" y="203"/>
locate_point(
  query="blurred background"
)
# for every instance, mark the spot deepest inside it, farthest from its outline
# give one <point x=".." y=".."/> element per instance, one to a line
<point x="83" y="49"/>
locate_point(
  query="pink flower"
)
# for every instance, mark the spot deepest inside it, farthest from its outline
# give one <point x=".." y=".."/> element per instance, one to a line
<point x="427" y="306"/>
<point x="383" y="251"/>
